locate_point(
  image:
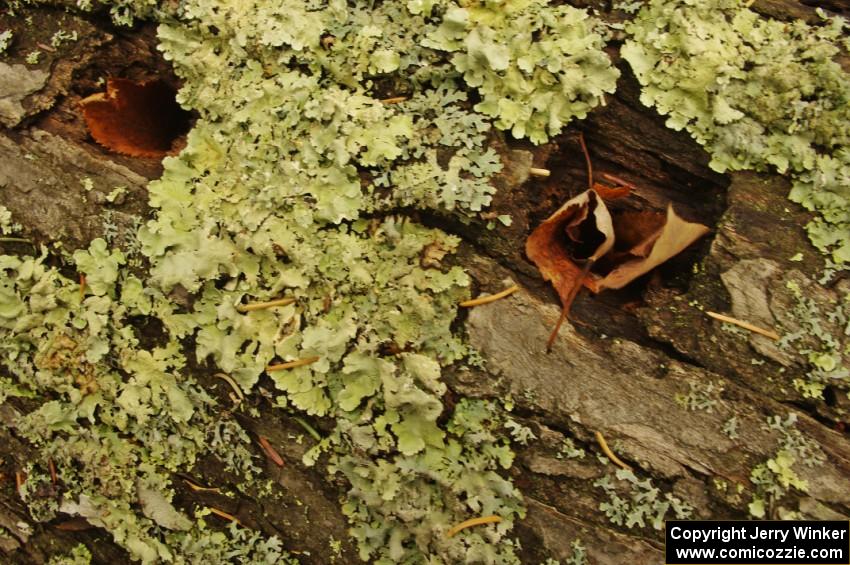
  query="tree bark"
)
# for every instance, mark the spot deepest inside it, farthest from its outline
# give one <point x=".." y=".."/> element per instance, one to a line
<point x="616" y="368"/>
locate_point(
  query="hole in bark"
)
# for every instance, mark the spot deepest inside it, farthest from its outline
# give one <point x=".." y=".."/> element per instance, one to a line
<point x="139" y="119"/>
<point x="129" y="55"/>
<point x="829" y="396"/>
<point x="834" y="6"/>
<point x="696" y="195"/>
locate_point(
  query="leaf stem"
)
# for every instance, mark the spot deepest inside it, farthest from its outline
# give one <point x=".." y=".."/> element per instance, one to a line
<point x="567" y="304"/>
<point x="587" y="160"/>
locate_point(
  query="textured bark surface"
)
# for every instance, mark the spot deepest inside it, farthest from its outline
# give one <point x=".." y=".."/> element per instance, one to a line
<point x="616" y="369"/>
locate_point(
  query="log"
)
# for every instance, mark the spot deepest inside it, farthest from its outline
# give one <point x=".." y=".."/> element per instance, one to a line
<point x="621" y="366"/>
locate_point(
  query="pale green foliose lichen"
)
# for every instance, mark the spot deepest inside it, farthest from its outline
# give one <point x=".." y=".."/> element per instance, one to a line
<point x="79" y="555"/>
<point x="5" y="40"/>
<point x="121" y="417"/>
<point x="776" y="477"/>
<point x="269" y="198"/>
<point x="535" y="66"/>
<point x="633" y="502"/>
<point x="7" y="226"/>
<point x="122" y="12"/>
<point x="758" y="93"/>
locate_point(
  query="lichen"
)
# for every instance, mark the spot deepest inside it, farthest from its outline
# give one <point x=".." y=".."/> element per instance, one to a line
<point x="7" y="226"/>
<point x="536" y="66"/>
<point x="633" y="502"/>
<point x="79" y="555"/>
<point x="700" y="396"/>
<point x="317" y="122"/>
<point x="775" y="477"/>
<point x="758" y="94"/>
<point x="120" y="417"/>
<point x="6" y="37"/>
<point x="819" y="337"/>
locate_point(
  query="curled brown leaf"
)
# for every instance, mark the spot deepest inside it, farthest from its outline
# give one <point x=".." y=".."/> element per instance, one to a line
<point x="659" y="238"/>
<point x="581" y="230"/>
<point x="582" y="235"/>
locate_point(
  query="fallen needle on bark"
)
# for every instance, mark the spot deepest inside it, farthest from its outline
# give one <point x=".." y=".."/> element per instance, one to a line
<point x="489" y="298"/>
<point x="746" y="325"/>
<point x="607" y="451"/>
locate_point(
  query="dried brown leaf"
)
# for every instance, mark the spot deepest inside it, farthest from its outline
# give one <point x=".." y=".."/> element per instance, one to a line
<point x="669" y="239"/>
<point x="581" y="230"/>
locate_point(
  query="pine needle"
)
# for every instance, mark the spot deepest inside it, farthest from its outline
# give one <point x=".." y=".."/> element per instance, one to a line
<point x="270" y="451"/>
<point x="607" y="451"/>
<point x="229" y="380"/>
<point x="251" y="306"/>
<point x="489" y="298"/>
<point x="198" y="488"/>
<point x="746" y="325"/>
<point x="308" y="428"/>
<point x="473" y="522"/>
<point x="225" y="515"/>
<point x="293" y="364"/>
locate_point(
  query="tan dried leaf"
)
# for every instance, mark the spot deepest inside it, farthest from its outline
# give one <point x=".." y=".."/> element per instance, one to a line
<point x="671" y="236"/>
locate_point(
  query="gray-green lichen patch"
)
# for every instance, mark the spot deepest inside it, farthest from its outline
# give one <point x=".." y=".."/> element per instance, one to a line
<point x="633" y="502"/>
<point x="777" y="476"/>
<point x="812" y="320"/>
<point x="758" y="93"/>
